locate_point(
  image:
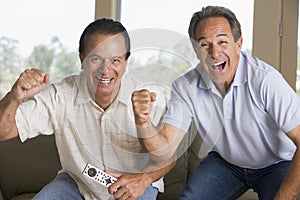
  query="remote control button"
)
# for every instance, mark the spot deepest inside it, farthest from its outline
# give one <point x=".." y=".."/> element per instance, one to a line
<point x="108" y="181"/>
<point x="92" y="172"/>
<point x="98" y="175"/>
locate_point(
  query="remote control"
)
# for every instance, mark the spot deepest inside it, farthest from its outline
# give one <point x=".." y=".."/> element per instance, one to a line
<point x="98" y="175"/>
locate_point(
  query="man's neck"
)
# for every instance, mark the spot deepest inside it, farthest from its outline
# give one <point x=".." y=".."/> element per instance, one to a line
<point x="105" y="101"/>
<point x="222" y="88"/>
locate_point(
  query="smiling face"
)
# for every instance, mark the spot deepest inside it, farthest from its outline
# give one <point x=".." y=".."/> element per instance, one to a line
<point x="217" y="50"/>
<point x="104" y="65"/>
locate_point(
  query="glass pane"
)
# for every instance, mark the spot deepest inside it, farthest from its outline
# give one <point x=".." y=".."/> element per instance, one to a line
<point x="176" y="15"/>
<point x="41" y="34"/>
<point x="172" y="18"/>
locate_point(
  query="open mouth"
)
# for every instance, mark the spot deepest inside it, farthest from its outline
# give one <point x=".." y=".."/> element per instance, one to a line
<point x="219" y="66"/>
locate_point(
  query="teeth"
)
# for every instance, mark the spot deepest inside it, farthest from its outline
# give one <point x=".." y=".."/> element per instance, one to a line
<point x="219" y="63"/>
<point x="105" y="80"/>
<point x="218" y="66"/>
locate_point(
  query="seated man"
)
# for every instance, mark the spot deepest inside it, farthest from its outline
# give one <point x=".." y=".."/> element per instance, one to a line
<point x="245" y="112"/>
<point x="91" y="117"/>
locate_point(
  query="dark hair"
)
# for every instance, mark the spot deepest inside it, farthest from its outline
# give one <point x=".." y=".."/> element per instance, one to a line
<point x="215" y="11"/>
<point x="104" y="26"/>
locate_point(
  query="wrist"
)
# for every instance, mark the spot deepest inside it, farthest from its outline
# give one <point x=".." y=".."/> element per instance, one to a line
<point x="142" y="123"/>
<point x="12" y="99"/>
<point x="146" y="131"/>
<point x="148" y="179"/>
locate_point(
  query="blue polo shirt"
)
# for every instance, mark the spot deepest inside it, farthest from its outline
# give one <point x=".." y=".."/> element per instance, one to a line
<point x="247" y="126"/>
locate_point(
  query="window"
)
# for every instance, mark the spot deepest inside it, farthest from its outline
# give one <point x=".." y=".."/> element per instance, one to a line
<point x="176" y="15"/>
<point x="168" y="21"/>
<point x="41" y="34"/>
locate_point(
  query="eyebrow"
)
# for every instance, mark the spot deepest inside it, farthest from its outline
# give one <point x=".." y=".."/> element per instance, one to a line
<point x="95" y="55"/>
<point x="219" y="35"/>
<point x="113" y="57"/>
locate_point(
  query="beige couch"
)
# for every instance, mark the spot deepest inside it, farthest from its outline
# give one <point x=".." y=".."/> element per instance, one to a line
<point x="26" y="167"/>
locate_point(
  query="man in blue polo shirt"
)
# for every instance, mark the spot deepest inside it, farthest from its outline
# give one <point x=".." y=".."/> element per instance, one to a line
<point x="246" y="113"/>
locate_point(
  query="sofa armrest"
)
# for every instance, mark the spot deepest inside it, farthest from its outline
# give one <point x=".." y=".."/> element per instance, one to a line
<point x="27" y="167"/>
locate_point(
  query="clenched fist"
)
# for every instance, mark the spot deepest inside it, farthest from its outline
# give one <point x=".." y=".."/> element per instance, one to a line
<point x="142" y="102"/>
<point x="29" y="83"/>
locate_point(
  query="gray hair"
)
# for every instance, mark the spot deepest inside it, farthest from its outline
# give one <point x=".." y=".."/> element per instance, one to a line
<point x="215" y="11"/>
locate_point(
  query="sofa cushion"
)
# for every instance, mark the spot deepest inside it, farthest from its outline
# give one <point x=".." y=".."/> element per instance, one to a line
<point x="27" y="167"/>
<point x="25" y="196"/>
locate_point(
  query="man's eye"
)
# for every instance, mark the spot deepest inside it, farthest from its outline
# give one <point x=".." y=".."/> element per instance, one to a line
<point x="96" y="59"/>
<point x="116" y="60"/>
<point x="204" y="45"/>
<point x="223" y="42"/>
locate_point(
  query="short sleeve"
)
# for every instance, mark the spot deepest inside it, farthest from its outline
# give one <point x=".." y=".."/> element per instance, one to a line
<point x="281" y="101"/>
<point x="178" y="114"/>
<point x="37" y="116"/>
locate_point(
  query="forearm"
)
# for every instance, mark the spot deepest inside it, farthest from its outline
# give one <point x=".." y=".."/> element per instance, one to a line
<point x="8" y="108"/>
<point x="152" y="139"/>
<point x="290" y="187"/>
<point x="161" y="142"/>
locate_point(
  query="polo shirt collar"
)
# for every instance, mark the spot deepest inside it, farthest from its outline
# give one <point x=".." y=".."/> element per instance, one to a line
<point x="204" y="80"/>
<point x="241" y="72"/>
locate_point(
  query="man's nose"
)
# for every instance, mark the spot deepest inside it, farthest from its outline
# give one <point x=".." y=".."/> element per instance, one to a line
<point x="105" y="65"/>
<point x="214" y="51"/>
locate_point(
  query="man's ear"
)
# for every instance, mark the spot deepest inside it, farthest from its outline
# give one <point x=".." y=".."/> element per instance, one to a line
<point x="81" y="57"/>
<point x="239" y="44"/>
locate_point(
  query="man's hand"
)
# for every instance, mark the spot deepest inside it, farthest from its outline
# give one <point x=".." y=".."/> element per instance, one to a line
<point x="29" y="83"/>
<point x="142" y="102"/>
<point x="290" y="187"/>
<point x="129" y="186"/>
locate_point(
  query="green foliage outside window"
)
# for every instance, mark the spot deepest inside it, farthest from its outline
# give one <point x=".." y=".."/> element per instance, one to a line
<point x="53" y="59"/>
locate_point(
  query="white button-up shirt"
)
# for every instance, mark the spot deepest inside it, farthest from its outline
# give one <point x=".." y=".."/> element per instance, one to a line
<point x="85" y="133"/>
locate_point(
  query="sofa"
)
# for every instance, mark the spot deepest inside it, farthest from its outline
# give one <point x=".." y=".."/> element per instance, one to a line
<point x="26" y="167"/>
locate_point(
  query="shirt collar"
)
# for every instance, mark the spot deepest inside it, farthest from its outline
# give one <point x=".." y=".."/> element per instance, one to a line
<point x="241" y="72"/>
<point x="126" y="88"/>
<point x="83" y="91"/>
<point x="204" y="80"/>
